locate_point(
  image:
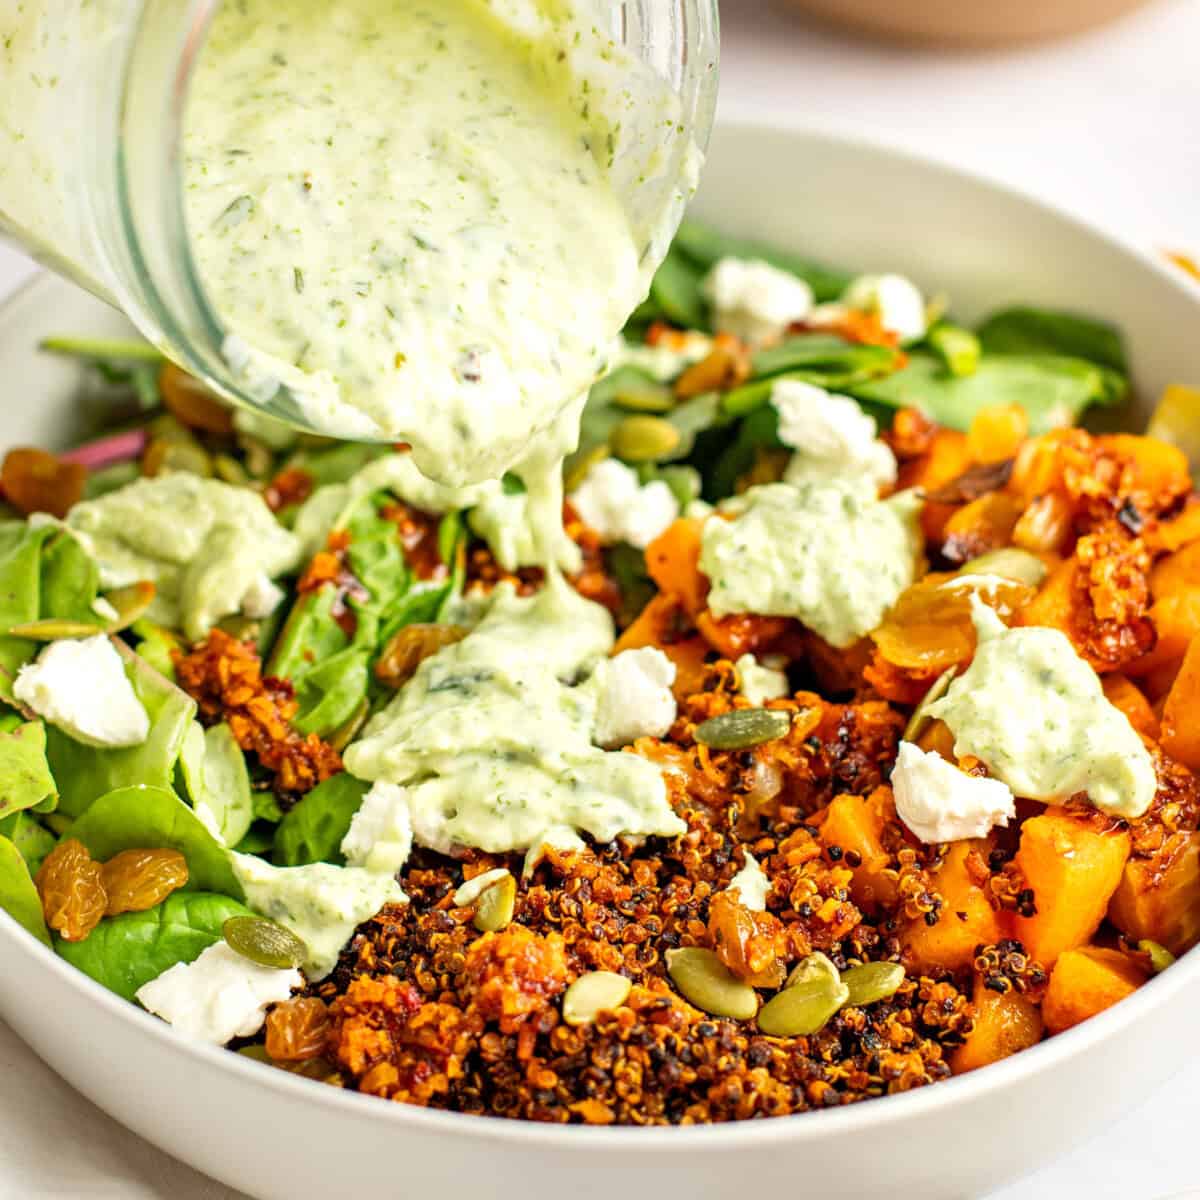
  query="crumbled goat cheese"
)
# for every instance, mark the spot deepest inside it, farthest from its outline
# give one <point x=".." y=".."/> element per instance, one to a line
<point x="894" y="299"/>
<point x="761" y="682"/>
<point x="633" y="697"/>
<point x="380" y="835"/>
<point x="940" y="803"/>
<point x="619" y="508"/>
<point x="754" y="300"/>
<point x="751" y="884"/>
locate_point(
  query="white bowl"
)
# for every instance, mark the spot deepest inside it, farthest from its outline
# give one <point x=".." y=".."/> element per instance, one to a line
<point x="274" y="1135"/>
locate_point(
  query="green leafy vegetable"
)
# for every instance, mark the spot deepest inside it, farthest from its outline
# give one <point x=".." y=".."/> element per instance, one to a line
<point x="217" y="781"/>
<point x="125" y="952"/>
<point x="84" y="773"/>
<point x="676" y="291"/>
<point x="18" y="896"/>
<point x="155" y="818"/>
<point x="335" y="462"/>
<point x="313" y="830"/>
<point x="958" y="348"/>
<point x="25" y="778"/>
<point x="1046" y="331"/>
<point x="628" y="565"/>
<point x="759" y="431"/>
<point x="1053" y="391"/>
<point x="30" y="837"/>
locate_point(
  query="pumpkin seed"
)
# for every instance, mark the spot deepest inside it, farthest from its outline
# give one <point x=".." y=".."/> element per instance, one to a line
<point x="496" y="905"/>
<point x="803" y="1009"/>
<point x="593" y="993"/>
<point x="130" y="603"/>
<point x="872" y="981"/>
<point x="704" y="980"/>
<point x="169" y="454"/>
<point x="344" y="734"/>
<point x="644" y="439"/>
<point x="470" y="891"/>
<point x="1160" y="957"/>
<point x="647" y="398"/>
<point x="1010" y="563"/>
<point x="265" y="942"/>
<point x="52" y="630"/>
<point x="815" y="966"/>
<point x="582" y="463"/>
<point x="244" y="629"/>
<point x="230" y="470"/>
<point x="920" y="719"/>
<point x="743" y="727"/>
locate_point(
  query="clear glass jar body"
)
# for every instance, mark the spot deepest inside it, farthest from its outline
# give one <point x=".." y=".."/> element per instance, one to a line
<point x="92" y="96"/>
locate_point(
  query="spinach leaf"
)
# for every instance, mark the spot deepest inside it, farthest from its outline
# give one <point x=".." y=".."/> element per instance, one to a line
<point x="1046" y="331"/>
<point x="216" y="779"/>
<point x="704" y="247"/>
<point x="129" y="950"/>
<point x="25" y="778"/>
<point x="259" y="840"/>
<point x="628" y="566"/>
<point x="69" y="579"/>
<point x="958" y="348"/>
<point x="18" y="896"/>
<point x="31" y="838"/>
<point x="84" y="773"/>
<point x="692" y="418"/>
<point x="760" y="430"/>
<point x="1054" y="391"/>
<point x="830" y="359"/>
<point x="155" y="818"/>
<point x="420" y="605"/>
<point x="313" y="830"/>
<point x="329" y="692"/>
<point x="675" y="291"/>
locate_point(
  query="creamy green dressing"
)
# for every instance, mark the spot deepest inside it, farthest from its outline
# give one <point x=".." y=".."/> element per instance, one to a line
<point x="1035" y="713"/>
<point x="492" y="738"/>
<point x="829" y="554"/>
<point x="207" y="546"/>
<point x="408" y="211"/>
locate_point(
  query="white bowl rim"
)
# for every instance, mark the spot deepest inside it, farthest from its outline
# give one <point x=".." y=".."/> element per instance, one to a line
<point x="762" y="1132"/>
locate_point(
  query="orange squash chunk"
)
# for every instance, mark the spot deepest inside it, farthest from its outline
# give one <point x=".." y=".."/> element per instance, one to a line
<point x="1085" y="982"/>
<point x="1121" y="692"/>
<point x="1180" y="736"/>
<point x="855" y="824"/>
<point x="1178" y="531"/>
<point x="1053" y="606"/>
<point x="1004" y="1024"/>
<point x="1073" y="869"/>
<point x="1162" y="905"/>
<point x="673" y="562"/>
<point x="967" y="920"/>
<point x="1176" y="620"/>
<point x="1177" y="572"/>
<point x="1162" y="468"/>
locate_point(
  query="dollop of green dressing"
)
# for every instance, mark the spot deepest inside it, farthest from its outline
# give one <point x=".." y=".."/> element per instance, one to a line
<point x="1035" y="713"/>
<point x="493" y="736"/>
<point x="830" y="554"/>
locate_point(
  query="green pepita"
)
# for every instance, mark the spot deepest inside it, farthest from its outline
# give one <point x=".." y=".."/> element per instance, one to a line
<point x="52" y="630"/>
<point x="646" y="398"/>
<point x="582" y="463"/>
<point x="230" y="470"/>
<point x="265" y="942"/>
<point x="872" y="981"/>
<point x="920" y="719"/>
<point x="704" y="980"/>
<point x="815" y="966"/>
<point x="644" y="439"/>
<point x="1160" y="957"/>
<point x="130" y="604"/>
<point x="169" y="454"/>
<point x="495" y="908"/>
<point x="743" y="727"/>
<point x="593" y="993"/>
<point x="803" y="1009"/>
<point x="1010" y="563"/>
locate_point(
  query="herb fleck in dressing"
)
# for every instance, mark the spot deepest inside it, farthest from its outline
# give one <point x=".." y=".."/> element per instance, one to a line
<point x="1032" y="710"/>
<point x="494" y="742"/>
<point x="403" y="210"/>
<point x="829" y="554"/>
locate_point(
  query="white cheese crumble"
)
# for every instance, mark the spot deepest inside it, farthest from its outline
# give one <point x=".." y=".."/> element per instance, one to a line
<point x="619" y="508"/>
<point x="754" y="300"/>
<point x="940" y="803"/>
<point x="831" y="435"/>
<point x="81" y="686"/>
<point x="761" y="682"/>
<point x="897" y="302"/>
<point x="218" y="997"/>
<point x="633" y="697"/>
<point x="751" y="884"/>
<point x="380" y="835"/>
<point x="262" y="597"/>
<point x="470" y="891"/>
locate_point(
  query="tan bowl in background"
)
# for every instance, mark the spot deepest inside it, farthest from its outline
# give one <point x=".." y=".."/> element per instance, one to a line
<point x="967" y="22"/>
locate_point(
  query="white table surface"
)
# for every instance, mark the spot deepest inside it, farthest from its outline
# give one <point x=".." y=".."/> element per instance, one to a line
<point x="1108" y="124"/>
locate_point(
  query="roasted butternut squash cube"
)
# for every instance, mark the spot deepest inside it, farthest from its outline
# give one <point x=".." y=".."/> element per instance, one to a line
<point x="1004" y="1024"/>
<point x="1085" y="982"/>
<point x="1162" y="905"/>
<point x="855" y="824"/>
<point x="673" y="562"/>
<point x="1180" y="736"/>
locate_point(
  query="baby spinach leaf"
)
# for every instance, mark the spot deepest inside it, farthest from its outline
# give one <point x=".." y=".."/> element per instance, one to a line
<point x="704" y="247"/>
<point x="69" y="579"/>
<point x="827" y="357"/>
<point x="1054" y="391"/>
<point x="216" y="779"/>
<point x="313" y="830"/>
<point x="154" y="818"/>
<point x="760" y="430"/>
<point x="18" y="896"/>
<point x="266" y="806"/>
<point x="259" y="840"/>
<point x="1048" y="331"/>
<point x="420" y="604"/>
<point x="125" y="952"/>
<point x="25" y="778"/>
<point x="30" y="837"/>
<point x="628" y="566"/>
<point x="692" y="418"/>
<point x="330" y="691"/>
<point x="83" y="773"/>
<point x="676" y="291"/>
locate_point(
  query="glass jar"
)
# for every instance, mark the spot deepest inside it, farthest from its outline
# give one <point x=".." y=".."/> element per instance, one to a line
<point x="90" y="149"/>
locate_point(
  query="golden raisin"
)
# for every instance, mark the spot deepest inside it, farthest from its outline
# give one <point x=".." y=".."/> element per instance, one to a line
<point x="71" y="886"/>
<point x="297" y="1029"/>
<point x="191" y="402"/>
<point x="136" y="880"/>
<point x="747" y="942"/>
<point x="36" y="481"/>
<point x="410" y="648"/>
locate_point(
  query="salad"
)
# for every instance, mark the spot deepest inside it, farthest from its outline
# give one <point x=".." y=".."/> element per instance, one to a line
<point x="852" y="752"/>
